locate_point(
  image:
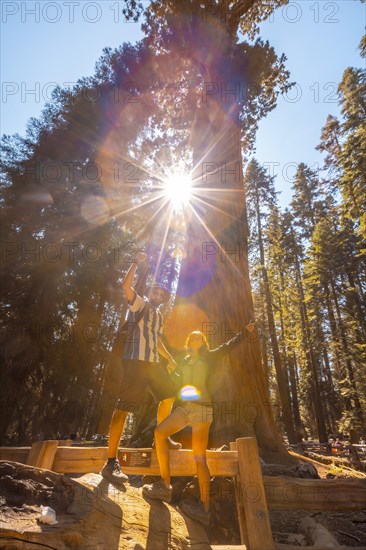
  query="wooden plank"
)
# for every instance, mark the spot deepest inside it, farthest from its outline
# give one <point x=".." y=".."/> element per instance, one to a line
<point x="254" y="500"/>
<point x="42" y="454"/>
<point x="91" y="459"/>
<point x="288" y="493"/>
<point x="79" y="460"/>
<point x="14" y="454"/>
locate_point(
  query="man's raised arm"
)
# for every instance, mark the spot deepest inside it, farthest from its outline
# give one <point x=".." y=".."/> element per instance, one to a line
<point x="128" y="280"/>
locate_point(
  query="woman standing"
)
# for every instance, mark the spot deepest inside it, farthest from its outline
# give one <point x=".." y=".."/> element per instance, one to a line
<point x="193" y="408"/>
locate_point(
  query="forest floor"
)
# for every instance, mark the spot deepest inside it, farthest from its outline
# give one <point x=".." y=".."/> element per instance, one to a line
<point x="339" y="466"/>
<point x="84" y="503"/>
<point x="348" y="527"/>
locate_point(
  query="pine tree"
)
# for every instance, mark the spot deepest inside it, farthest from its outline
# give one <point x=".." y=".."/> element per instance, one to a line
<point x="280" y="279"/>
<point x="345" y="144"/>
<point x="261" y="198"/>
<point x="323" y="272"/>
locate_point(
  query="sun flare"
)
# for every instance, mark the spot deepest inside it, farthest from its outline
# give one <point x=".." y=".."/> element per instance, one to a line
<point x="178" y="189"/>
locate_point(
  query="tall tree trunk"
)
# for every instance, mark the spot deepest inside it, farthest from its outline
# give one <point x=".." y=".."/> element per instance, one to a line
<point x="281" y="379"/>
<point x="265" y="360"/>
<point x="331" y="403"/>
<point x="294" y="396"/>
<point x="355" y="433"/>
<point x="290" y="373"/>
<point x="214" y="285"/>
<point x="312" y="363"/>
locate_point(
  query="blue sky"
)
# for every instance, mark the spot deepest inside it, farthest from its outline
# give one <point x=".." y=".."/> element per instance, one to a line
<point x="44" y="43"/>
<point x="320" y="39"/>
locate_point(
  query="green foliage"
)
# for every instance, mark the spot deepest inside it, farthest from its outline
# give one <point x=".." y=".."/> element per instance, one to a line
<point x="344" y="142"/>
<point x="316" y="281"/>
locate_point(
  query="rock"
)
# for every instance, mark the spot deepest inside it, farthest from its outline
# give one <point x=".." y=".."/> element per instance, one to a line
<point x="92" y="514"/>
<point x="273" y="470"/>
<point x="317" y="534"/>
<point x="306" y="471"/>
<point x="296" y="539"/>
<point x="359" y="517"/>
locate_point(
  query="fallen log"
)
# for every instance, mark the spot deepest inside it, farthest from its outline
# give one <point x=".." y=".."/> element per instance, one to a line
<point x="285" y="493"/>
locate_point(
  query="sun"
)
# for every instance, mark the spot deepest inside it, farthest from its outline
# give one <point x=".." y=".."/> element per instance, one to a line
<point x="178" y="190"/>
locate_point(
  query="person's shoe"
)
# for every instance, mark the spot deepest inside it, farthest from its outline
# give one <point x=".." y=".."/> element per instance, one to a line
<point x="196" y="511"/>
<point x="112" y="472"/>
<point x="158" y="491"/>
<point x="173" y="445"/>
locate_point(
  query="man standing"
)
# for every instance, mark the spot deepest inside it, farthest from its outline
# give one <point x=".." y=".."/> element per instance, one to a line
<point x="141" y="369"/>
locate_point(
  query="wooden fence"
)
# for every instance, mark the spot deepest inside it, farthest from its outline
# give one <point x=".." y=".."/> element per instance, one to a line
<point x="254" y="493"/>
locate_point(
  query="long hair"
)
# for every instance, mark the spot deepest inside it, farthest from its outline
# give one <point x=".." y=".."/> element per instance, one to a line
<point x="204" y="346"/>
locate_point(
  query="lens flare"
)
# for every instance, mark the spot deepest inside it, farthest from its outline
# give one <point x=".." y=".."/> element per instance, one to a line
<point x="189" y="393"/>
<point x="178" y="189"/>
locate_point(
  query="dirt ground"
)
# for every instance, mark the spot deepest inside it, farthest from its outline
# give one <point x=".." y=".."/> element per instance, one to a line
<point x="348" y="527"/>
<point x="339" y="466"/>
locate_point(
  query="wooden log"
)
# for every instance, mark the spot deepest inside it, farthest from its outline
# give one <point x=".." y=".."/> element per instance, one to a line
<point x="42" y="454"/>
<point x="288" y="493"/>
<point x="254" y="500"/>
<point x="239" y="503"/>
<point x="91" y="459"/>
<point x="15" y="454"/>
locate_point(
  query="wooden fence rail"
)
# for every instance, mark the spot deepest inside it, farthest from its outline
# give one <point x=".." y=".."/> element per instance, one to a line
<point x="254" y="493"/>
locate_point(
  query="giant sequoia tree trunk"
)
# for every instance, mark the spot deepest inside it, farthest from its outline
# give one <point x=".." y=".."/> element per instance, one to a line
<point x="214" y="291"/>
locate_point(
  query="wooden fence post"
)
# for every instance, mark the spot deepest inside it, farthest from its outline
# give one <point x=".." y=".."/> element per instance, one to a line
<point x="42" y="454"/>
<point x="239" y="503"/>
<point x="257" y="523"/>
